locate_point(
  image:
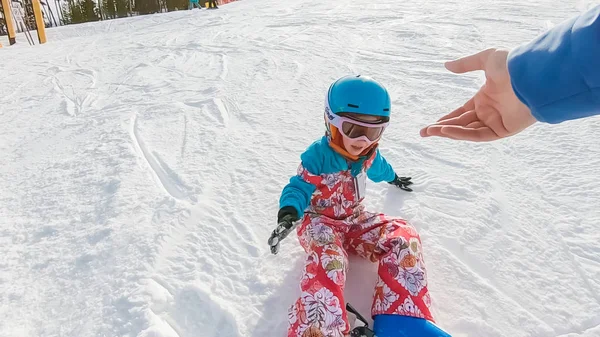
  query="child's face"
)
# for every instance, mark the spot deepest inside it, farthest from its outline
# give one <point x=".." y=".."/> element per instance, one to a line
<point x="355" y="146"/>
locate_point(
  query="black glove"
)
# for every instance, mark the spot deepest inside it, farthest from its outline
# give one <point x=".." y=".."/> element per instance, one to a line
<point x="286" y="219"/>
<point x="402" y="182"/>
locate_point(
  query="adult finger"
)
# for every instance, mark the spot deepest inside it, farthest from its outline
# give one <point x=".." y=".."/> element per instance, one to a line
<point x="431" y="130"/>
<point x="483" y="134"/>
<point x="475" y="125"/>
<point x="462" y="120"/>
<point x="470" y="63"/>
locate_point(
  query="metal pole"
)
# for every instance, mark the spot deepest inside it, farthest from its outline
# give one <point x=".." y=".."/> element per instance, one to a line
<point x="59" y="9"/>
<point x="51" y="15"/>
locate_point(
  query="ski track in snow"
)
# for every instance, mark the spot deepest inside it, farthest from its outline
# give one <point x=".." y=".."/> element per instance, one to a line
<point x="143" y="159"/>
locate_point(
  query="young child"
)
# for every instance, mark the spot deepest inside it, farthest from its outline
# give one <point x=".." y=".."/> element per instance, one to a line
<point x="193" y="4"/>
<point x="326" y="195"/>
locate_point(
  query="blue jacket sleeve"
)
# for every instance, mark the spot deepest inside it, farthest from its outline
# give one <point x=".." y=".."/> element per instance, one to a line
<point x="298" y="192"/>
<point x="557" y="75"/>
<point x="380" y="170"/>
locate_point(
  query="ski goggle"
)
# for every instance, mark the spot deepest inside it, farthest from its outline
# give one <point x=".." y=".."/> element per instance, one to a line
<point x="355" y="129"/>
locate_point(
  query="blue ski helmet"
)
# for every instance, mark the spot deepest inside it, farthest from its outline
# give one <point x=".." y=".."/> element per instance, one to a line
<point x="360" y="95"/>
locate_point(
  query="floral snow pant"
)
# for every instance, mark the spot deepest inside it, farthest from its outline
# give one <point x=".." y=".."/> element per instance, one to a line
<point x="402" y="278"/>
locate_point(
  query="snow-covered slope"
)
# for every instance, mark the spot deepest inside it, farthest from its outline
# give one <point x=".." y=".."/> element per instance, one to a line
<point x="142" y="161"/>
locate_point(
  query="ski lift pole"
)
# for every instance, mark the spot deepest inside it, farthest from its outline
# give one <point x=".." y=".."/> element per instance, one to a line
<point x="6" y="6"/>
<point x="27" y="34"/>
<point x="26" y="31"/>
<point x="39" y="21"/>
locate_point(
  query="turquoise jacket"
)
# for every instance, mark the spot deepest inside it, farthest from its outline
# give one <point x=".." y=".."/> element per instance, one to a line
<point x="319" y="158"/>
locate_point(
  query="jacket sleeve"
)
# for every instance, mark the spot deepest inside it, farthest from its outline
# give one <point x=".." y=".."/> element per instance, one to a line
<point x="298" y="192"/>
<point x="380" y="169"/>
<point x="557" y="75"/>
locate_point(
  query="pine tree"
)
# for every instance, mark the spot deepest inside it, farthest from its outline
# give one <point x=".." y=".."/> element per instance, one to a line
<point x="3" y="31"/>
<point x="147" y="6"/>
<point x="67" y="10"/>
<point x="110" y="9"/>
<point x="66" y="14"/>
<point x="89" y="11"/>
<point x="122" y="8"/>
<point x="29" y="16"/>
<point x="173" y="5"/>
<point x="74" y="12"/>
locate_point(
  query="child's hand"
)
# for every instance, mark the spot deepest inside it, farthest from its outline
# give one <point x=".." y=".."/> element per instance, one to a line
<point x="402" y="183"/>
<point x="286" y="220"/>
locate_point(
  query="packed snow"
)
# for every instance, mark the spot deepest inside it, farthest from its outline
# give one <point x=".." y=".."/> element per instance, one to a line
<point x="143" y="159"/>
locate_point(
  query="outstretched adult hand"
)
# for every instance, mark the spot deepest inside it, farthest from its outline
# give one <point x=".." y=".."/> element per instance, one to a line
<point x="494" y="112"/>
